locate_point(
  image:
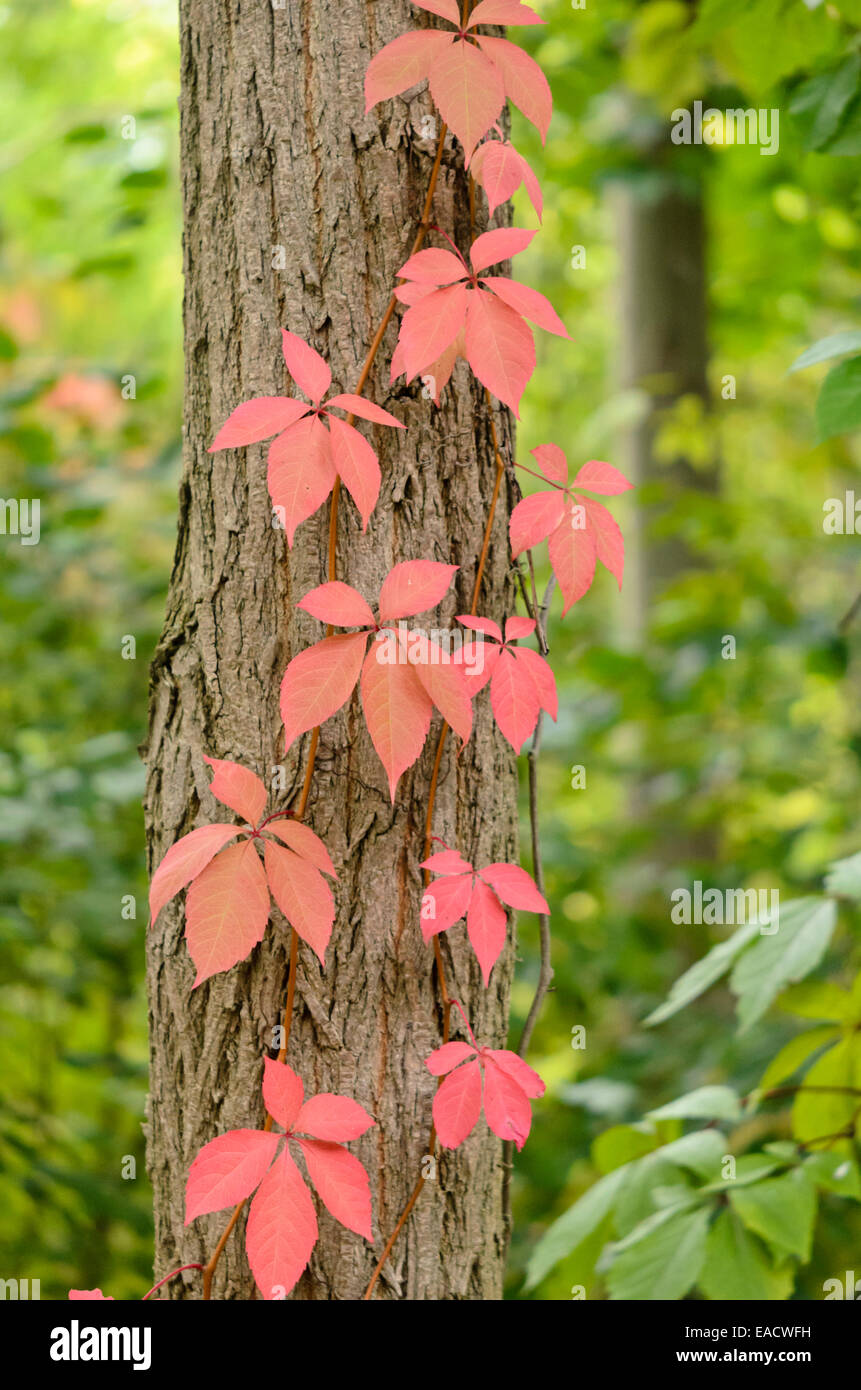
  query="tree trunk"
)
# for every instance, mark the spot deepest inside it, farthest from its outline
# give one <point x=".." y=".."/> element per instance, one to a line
<point x="277" y="153"/>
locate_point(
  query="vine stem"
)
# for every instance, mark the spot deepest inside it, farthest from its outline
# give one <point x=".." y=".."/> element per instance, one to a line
<point x="423" y="228"/>
<point x="172" y="1274"/>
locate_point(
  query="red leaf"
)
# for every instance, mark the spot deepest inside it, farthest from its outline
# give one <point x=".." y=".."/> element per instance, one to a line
<point x="339" y="604"/>
<point x="342" y="1184"/>
<point x="517" y="627"/>
<point x="514" y="701"/>
<point x="542" y="677"/>
<point x="552" y="462"/>
<point x="447" y="1057"/>
<point x="533" y="188"/>
<point x="486" y="925"/>
<point x="256" y="420"/>
<point x="442" y="679"/>
<point x="447" y="9"/>
<point x="90" y="1295"/>
<point x="358" y="466"/>
<point x="300" y="472"/>
<point x="307" y="368"/>
<point x="184" y="861"/>
<point x="506" y="1105"/>
<point x="528" y="1080"/>
<point x="433" y="266"/>
<point x="515" y="887"/>
<point x="572" y="554"/>
<point x="446" y="861"/>
<point x="457" y="1105"/>
<point x="534" y="518"/>
<point x="499" y="245"/>
<point x="485" y="625"/>
<point x="467" y="90"/>
<point x="499" y="347"/>
<point x="412" y="587"/>
<point x="529" y="303"/>
<point x="402" y="63"/>
<point x="237" y="788"/>
<point x="477" y="658"/>
<point x="397" y="712"/>
<point x="503" y="12"/>
<point x="366" y="410"/>
<point x="226" y="910"/>
<point x="281" y="1230"/>
<point x="227" y="1169"/>
<point x="333" y="1117"/>
<point x="283" y="1092"/>
<point x="319" y="681"/>
<point x="596" y="476"/>
<point x="302" y="894"/>
<point x="497" y="167"/>
<point x="444" y="902"/>
<point x="431" y="326"/>
<point x="608" y="538"/>
<point x="302" y="840"/>
<point x="523" y="80"/>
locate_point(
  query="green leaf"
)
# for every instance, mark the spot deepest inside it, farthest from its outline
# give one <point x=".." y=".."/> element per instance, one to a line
<point x="572" y="1228"/>
<point x="706" y="1103"/>
<point x="780" y="1210"/>
<point x="794" y="950"/>
<point x="619" y="1145"/>
<point x="737" y="1267"/>
<point x="697" y="980"/>
<point x="796" y="1052"/>
<point x="662" y="1263"/>
<point x="819" y="999"/>
<point x="748" y="1168"/>
<point x="844" y="878"/>
<point x="835" y="345"/>
<point x="816" y="1114"/>
<point x="835" y="1171"/>
<point x="838" y="409"/>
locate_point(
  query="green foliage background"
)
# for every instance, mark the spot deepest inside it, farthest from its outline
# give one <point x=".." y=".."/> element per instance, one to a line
<point x="740" y="773"/>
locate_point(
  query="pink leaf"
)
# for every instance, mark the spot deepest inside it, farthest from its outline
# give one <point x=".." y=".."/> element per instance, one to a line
<point x="411" y="293"/>
<point x="442" y="680"/>
<point x="467" y="90"/>
<point x="333" y="1117"/>
<point x="227" y="1169"/>
<point x="302" y="840"/>
<point x="485" y="625"/>
<point x="552" y="462"/>
<point x="447" y="9"/>
<point x="497" y="168"/>
<point x="281" y="1230"/>
<point x="573" y="554"/>
<point x="515" y="887"/>
<point x="517" y="627"/>
<point x="498" y="245"/>
<point x="514" y="701"/>
<point x="226" y="910"/>
<point x="446" y="861"/>
<point x="447" y="1057"/>
<point x="506" y="1105"/>
<point x="457" y="1105"/>
<point x="303" y="895"/>
<point x="300" y="472"/>
<point x="402" y="63"/>
<point x="319" y="681"/>
<point x="91" y="1295"/>
<point x="499" y="347"/>
<point x="431" y="326"/>
<point x="527" y="302"/>
<point x="366" y="410"/>
<point x="307" y="368"/>
<point x="397" y="712"/>
<point x="444" y="902"/>
<point x="477" y="659"/>
<point x="283" y="1092"/>
<point x="534" y="518"/>
<point x="339" y="604"/>
<point x="542" y="677"/>
<point x="358" y="466"/>
<point x="185" y="860"/>
<point x="256" y="420"/>
<point x="596" y="476"/>
<point x="523" y="80"/>
<point x="414" y="586"/>
<point x="528" y="1080"/>
<point x="434" y="266"/>
<point x="503" y="12"/>
<point x="342" y="1184"/>
<point x="486" y="925"/>
<point x="533" y="188"/>
<point x="608" y="538"/>
<point x="237" y="788"/>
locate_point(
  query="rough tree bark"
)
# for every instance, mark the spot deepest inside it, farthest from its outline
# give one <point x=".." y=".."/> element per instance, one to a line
<point x="277" y="153"/>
